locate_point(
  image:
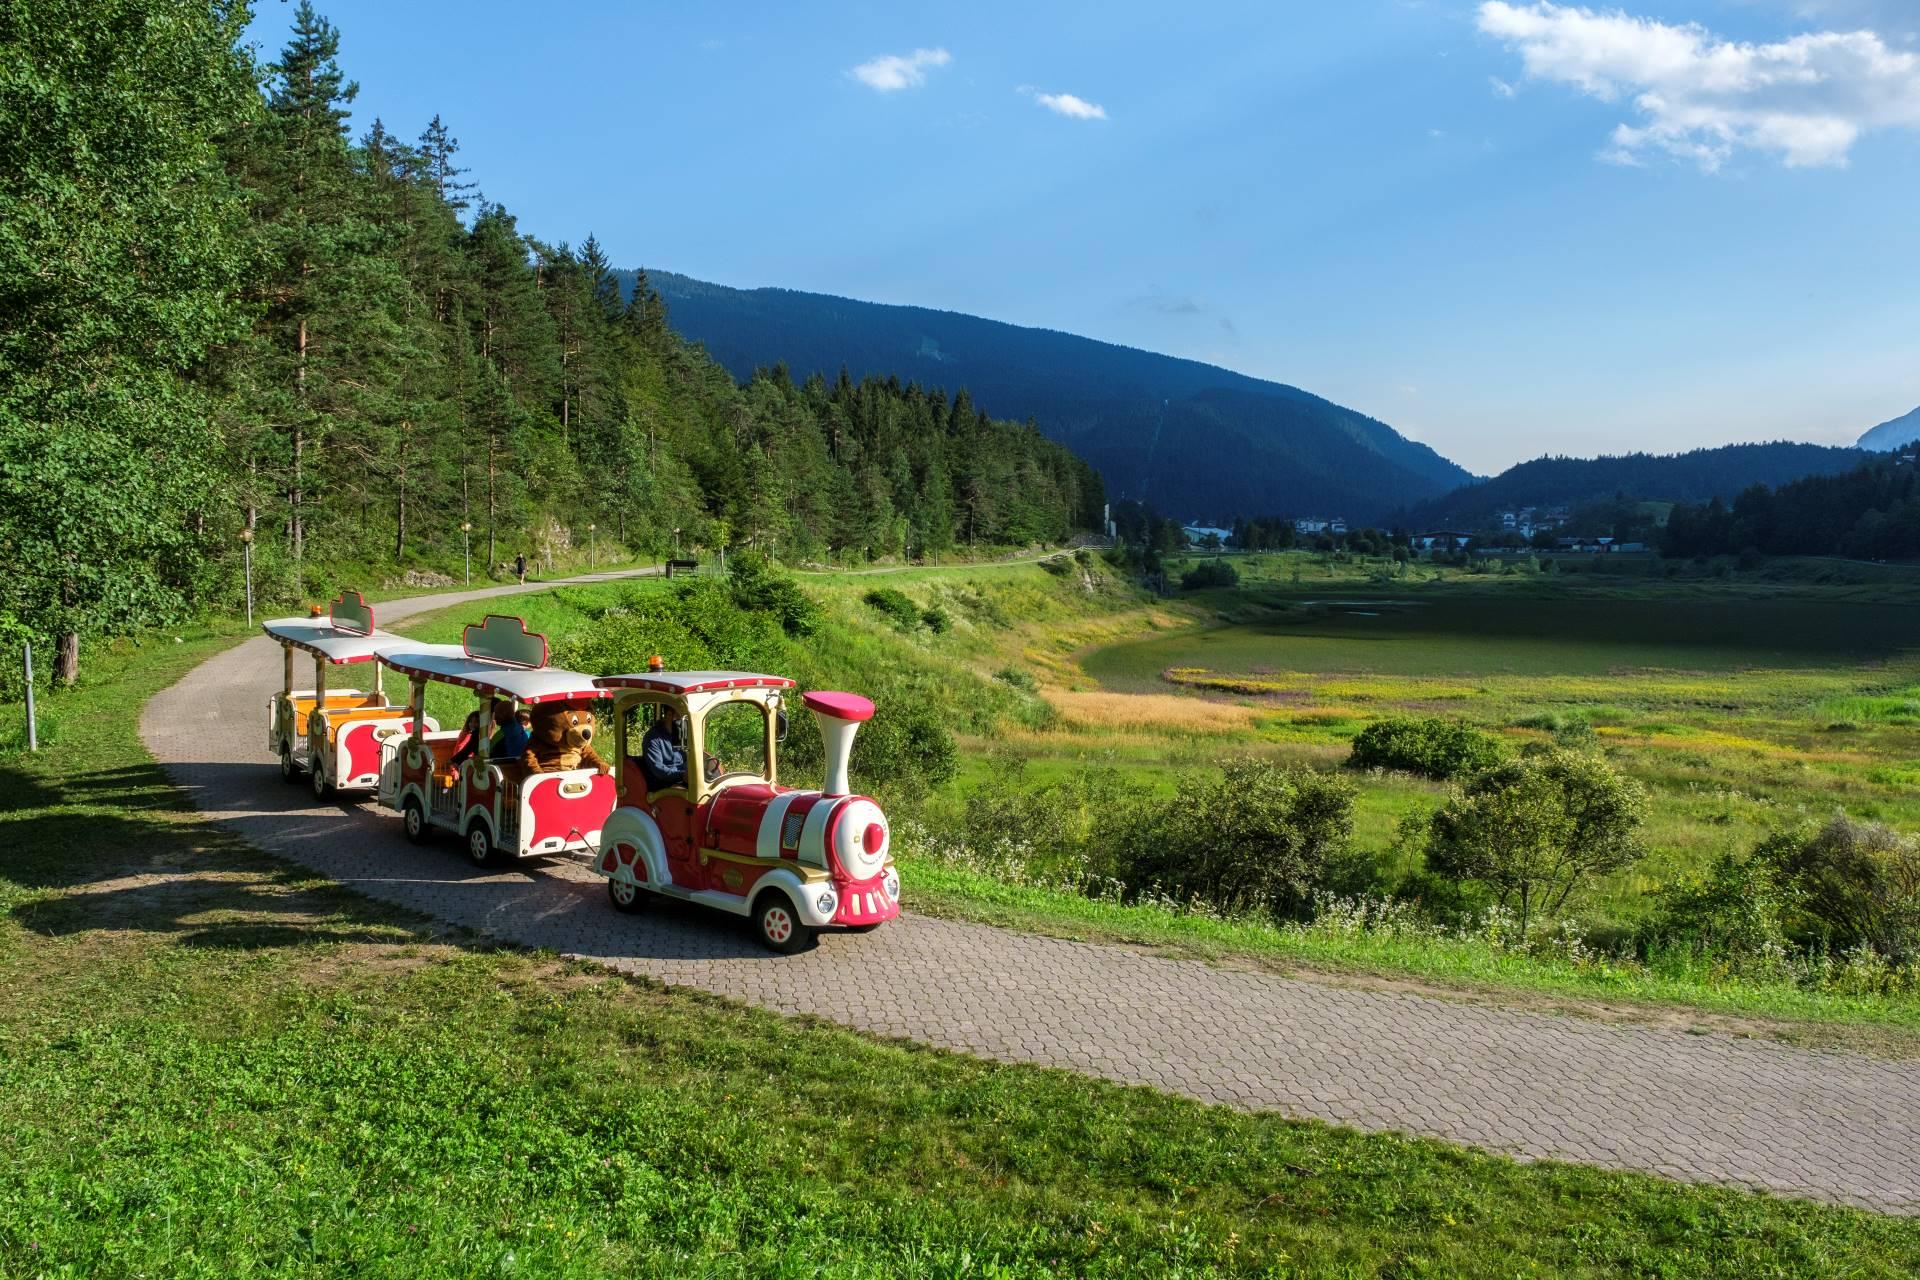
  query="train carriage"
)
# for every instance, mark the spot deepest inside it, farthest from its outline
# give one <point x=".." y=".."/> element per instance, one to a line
<point x="335" y="736"/>
<point x="727" y="834"/>
<point x="497" y="807"/>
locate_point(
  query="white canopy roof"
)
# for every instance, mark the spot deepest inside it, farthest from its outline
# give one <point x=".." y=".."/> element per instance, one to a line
<point x="693" y="681"/>
<point x="321" y="638"/>
<point x="450" y="664"/>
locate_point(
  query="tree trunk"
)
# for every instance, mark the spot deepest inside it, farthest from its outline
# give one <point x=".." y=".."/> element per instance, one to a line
<point x="491" y="553"/>
<point x="296" y="525"/>
<point x="400" y="512"/>
<point x="66" y="659"/>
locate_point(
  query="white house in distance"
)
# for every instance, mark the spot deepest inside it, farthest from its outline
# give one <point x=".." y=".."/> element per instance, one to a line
<point x="1314" y="524"/>
<point x="1197" y="533"/>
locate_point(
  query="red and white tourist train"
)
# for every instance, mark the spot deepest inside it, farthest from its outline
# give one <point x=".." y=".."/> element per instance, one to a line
<point x="499" y="808"/>
<point x="688" y="806"/>
<point x="335" y="735"/>
<point x="725" y="833"/>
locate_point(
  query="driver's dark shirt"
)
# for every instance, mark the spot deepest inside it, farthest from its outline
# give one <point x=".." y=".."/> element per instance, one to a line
<point x="662" y="760"/>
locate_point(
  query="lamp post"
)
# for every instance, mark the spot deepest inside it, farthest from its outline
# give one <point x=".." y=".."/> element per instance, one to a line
<point x="676" y="544"/>
<point x="466" y="547"/>
<point x="593" y="546"/>
<point x="246" y="553"/>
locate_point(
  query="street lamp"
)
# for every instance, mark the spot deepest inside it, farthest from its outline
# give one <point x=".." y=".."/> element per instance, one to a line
<point x="676" y="544"/>
<point x="593" y="547"/>
<point x="246" y="551"/>
<point x="466" y="547"/>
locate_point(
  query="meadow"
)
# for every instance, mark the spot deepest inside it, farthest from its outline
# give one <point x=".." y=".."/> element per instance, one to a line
<point x="1742" y="705"/>
<point x="213" y="1064"/>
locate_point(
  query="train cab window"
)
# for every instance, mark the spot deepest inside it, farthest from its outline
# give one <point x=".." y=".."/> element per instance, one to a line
<point x="736" y="733"/>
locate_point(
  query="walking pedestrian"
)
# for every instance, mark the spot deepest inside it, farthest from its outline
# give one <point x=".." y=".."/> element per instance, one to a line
<point x="520" y="568"/>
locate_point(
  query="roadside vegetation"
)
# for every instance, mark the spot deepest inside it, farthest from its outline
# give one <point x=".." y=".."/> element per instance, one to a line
<point x="212" y="1064"/>
<point x="1530" y="784"/>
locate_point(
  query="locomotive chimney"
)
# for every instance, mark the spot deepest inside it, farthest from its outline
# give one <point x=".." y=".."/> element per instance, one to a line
<point x="840" y="715"/>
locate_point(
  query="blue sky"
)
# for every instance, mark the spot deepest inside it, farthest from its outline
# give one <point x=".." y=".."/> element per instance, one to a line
<point x="1507" y="229"/>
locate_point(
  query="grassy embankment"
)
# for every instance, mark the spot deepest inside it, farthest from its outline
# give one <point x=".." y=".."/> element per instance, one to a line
<point x="1719" y="695"/>
<point x="214" y="1065"/>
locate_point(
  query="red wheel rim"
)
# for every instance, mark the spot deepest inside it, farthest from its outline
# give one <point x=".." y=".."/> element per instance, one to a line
<point x="778" y="925"/>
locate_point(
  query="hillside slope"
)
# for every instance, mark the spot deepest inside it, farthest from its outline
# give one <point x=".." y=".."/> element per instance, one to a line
<point x="1191" y="438"/>
<point x="1696" y="476"/>
<point x="1890" y="435"/>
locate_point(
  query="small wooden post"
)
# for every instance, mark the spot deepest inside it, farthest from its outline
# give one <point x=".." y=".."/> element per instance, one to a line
<point x="33" y="731"/>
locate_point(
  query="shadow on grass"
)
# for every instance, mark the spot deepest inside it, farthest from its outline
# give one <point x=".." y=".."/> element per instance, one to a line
<point x="132" y="849"/>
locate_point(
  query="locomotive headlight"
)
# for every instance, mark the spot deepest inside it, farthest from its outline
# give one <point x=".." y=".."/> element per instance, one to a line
<point x="826" y="902"/>
<point x="892" y="884"/>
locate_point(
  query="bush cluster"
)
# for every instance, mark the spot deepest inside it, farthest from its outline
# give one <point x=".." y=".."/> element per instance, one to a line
<point x="1841" y="887"/>
<point x="757" y="587"/>
<point x="1431" y="746"/>
<point x="1209" y="573"/>
<point x="1254" y="837"/>
<point x="895" y="606"/>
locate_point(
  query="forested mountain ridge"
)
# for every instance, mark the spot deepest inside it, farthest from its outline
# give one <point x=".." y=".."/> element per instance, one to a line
<point x="220" y="314"/>
<point x="1695" y="476"/>
<point x="1870" y="512"/>
<point x="1188" y="437"/>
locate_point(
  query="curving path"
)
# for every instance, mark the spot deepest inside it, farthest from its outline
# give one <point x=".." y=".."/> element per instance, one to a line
<point x="1706" y="1108"/>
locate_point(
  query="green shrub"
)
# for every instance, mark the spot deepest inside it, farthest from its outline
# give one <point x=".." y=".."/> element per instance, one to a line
<point x="895" y="606"/>
<point x="1015" y="678"/>
<point x="1849" y="884"/>
<point x="1733" y="910"/>
<point x="937" y="620"/>
<point x="1057" y="831"/>
<point x="1576" y="734"/>
<point x="757" y="587"/>
<point x="1209" y="573"/>
<point x="1058" y="566"/>
<point x="1535" y="829"/>
<point x="905" y="742"/>
<point x="1257" y="836"/>
<point x="1431" y="746"/>
<point x="695" y="626"/>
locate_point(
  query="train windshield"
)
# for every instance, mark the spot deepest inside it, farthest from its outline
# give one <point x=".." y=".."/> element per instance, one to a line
<point x="736" y="732"/>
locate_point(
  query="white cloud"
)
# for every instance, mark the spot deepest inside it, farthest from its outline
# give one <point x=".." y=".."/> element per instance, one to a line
<point x="891" y="72"/>
<point x="1500" y="87"/>
<point x="1066" y="104"/>
<point x="1701" y="98"/>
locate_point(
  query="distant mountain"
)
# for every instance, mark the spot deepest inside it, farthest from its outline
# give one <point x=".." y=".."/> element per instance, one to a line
<point x="1699" y="476"/>
<point x="1889" y="436"/>
<point x="1190" y="438"/>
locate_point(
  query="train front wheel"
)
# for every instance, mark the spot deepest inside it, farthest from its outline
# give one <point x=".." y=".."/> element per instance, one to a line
<point x="779" y="926"/>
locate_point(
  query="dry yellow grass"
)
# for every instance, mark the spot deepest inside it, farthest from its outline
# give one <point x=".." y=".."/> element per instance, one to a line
<point x="1162" y="711"/>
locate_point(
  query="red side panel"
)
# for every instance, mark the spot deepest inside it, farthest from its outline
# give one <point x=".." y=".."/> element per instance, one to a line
<point x="360" y="748"/>
<point x="733" y="818"/>
<point x="634" y="779"/>
<point x="733" y="877"/>
<point x="415" y="765"/>
<point x="569" y="819"/>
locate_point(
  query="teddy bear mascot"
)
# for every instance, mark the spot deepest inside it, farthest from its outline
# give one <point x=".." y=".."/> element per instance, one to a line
<point x="562" y="739"/>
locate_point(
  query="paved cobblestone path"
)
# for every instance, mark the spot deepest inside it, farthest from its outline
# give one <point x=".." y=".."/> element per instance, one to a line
<point x="1707" y="1108"/>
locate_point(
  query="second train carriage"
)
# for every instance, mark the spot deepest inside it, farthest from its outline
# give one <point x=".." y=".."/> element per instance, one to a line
<point x="498" y="808"/>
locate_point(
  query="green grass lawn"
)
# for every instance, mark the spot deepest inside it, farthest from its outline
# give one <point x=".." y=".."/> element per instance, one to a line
<point x="214" y="1065"/>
